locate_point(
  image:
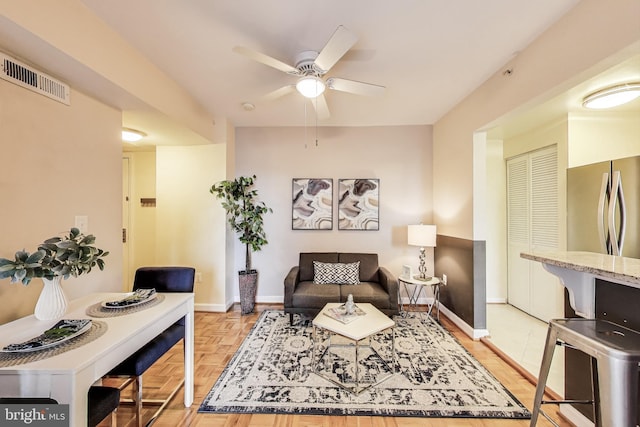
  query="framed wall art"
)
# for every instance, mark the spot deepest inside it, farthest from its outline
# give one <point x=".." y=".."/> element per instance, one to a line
<point x="312" y="204"/>
<point x="358" y="204"/>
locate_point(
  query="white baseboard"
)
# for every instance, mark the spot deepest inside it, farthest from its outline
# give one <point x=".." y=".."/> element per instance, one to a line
<point x="214" y="308"/>
<point x="421" y="301"/>
<point x="475" y="334"/>
<point x="496" y="300"/>
<point x="270" y="300"/>
<point x="222" y="308"/>
<point x="263" y="299"/>
<point x="574" y="416"/>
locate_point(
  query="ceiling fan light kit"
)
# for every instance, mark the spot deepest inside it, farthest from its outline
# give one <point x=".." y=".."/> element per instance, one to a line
<point x="612" y="96"/>
<point x="311" y="66"/>
<point x="310" y="86"/>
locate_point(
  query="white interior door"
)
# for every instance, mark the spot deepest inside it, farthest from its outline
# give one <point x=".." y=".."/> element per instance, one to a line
<point x="126" y="285"/>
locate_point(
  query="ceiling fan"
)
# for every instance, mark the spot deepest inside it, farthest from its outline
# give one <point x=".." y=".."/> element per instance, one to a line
<point x="310" y="68"/>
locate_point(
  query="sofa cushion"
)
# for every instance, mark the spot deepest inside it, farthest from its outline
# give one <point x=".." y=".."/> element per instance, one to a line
<point x="311" y="295"/>
<point x="336" y="272"/>
<point x="367" y="292"/>
<point x="306" y="263"/>
<point x="368" y="265"/>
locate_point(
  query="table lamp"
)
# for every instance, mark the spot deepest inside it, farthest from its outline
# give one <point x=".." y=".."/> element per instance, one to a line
<point x="424" y="236"/>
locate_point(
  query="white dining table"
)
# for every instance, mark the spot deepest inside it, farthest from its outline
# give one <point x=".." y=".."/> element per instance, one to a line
<point x="67" y="377"/>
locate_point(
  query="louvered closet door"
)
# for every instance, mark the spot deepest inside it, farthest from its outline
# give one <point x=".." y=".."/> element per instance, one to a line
<point x="518" y="231"/>
<point x="546" y="291"/>
<point x="532" y="203"/>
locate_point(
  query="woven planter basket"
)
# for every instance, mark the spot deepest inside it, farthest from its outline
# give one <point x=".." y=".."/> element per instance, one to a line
<point x="248" y="282"/>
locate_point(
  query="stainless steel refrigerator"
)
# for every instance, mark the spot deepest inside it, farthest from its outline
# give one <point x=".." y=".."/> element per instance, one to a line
<point x="603" y="215"/>
<point x="603" y="207"/>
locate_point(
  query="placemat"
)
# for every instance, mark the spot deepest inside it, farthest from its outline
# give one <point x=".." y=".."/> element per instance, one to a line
<point x="97" y="310"/>
<point x="97" y="329"/>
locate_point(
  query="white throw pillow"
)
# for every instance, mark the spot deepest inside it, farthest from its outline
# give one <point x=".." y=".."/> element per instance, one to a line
<point x="336" y="273"/>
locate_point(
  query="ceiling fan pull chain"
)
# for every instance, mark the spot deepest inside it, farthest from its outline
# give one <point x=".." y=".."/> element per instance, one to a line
<point x="305" y="125"/>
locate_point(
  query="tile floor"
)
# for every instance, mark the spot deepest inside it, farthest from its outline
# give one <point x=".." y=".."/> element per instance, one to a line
<point x="522" y="338"/>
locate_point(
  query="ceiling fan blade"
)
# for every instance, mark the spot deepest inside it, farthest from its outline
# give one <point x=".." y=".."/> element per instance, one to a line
<point x="340" y="42"/>
<point x="279" y="93"/>
<point x="353" y="86"/>
<point x="265" y="59"/>
<point x="321" y="107"/>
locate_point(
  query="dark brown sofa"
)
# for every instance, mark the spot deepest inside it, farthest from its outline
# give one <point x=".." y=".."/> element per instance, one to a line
<point x="377" y="285"/>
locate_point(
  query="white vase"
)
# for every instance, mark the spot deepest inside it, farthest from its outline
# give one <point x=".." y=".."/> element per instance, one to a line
<point x="52" y="303"/>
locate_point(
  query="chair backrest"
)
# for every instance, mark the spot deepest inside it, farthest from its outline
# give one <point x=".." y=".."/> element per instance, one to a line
<point x="28" y="400"/>
<point x="165" y="279"/>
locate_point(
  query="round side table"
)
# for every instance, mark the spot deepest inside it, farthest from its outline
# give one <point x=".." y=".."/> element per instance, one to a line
<point x="419" y="287"/>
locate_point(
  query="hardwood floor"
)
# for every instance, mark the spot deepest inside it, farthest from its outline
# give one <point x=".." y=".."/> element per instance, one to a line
<point x="217" y="337"/>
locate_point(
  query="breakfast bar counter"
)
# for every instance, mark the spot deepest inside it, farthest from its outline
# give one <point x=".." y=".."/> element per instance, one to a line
<point x="578" y="270"/>
<point x="602" y="287"/>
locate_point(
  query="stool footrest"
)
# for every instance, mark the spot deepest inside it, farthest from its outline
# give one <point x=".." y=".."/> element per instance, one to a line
<point x="562" y="402"/>
<point x="166" y="402"/>
<point x="549" y="418"/>
<point x="154" y="402"/>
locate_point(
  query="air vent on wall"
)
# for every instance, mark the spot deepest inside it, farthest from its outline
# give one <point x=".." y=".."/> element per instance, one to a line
<point x="28" y="77"/>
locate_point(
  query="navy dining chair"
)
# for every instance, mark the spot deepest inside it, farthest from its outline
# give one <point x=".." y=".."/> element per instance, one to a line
<point x="162" y="279"/>
<point x="102" y="401"/>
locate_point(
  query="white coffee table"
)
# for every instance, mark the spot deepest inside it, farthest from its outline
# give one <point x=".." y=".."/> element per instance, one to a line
<point x="360" y="329"/>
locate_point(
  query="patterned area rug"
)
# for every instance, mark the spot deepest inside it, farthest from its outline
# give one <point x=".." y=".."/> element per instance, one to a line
<point x="435" y="377"/>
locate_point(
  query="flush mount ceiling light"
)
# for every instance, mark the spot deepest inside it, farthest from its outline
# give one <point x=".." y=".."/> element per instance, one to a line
<point x="612" y="96"/>
<point x="310" y="86"/>
<point x="132" y="135"/>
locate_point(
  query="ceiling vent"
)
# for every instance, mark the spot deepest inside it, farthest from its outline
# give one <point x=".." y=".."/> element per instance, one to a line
<point x="28" y="77"/>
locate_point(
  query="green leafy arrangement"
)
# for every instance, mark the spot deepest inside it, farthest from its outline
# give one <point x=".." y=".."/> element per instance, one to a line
<point x="70" y="255"/>
<point x="244" y="213"/>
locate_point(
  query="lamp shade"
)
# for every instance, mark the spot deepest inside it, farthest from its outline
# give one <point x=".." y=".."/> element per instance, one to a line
<point x="421" y="235"/>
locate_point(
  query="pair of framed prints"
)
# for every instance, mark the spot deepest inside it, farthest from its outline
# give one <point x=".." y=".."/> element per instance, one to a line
<point x="358" y="201"/>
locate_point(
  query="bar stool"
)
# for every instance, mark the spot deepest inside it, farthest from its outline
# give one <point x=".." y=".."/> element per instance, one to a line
<point x="163" y="279"/>
<point x="102" y="401"/>
<point x="616" y="353"/>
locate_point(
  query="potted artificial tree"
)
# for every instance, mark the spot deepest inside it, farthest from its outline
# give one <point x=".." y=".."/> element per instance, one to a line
<point x="245" y="215"/>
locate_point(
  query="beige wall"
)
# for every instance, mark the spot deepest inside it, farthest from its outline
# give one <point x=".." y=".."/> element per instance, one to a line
<point x="399" y="156"/>
<point x="58" y="162"/>
<point x="579" y="45"/>
<point x="544" y="135"/>
<point x="605" y="136"/>
<point x="72" y="29"/>
<point x="190" y="224"/>
<point x="496" y="223"/>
